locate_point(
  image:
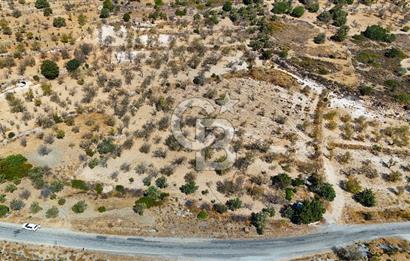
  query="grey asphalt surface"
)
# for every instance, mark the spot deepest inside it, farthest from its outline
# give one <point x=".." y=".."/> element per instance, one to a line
<point x="284" y="248"/>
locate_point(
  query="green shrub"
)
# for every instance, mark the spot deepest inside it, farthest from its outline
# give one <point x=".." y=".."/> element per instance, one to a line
<point x="325" y="17"/>
<point x="366" y="90"/>
<point x="180" y="12"/>
<point x="72" y="65"/>
<point x="49" y="69"/>
<point x="392" y="84"/>
<point x="60" y="134"/>
<point x="189" y="187"/>
<point x="102" y="209"/>
<point x="4" y="210"/>
<point x="105" y="13"/>
<point x="79" y="184"/>
<point x="52" y="212"/>
<point x="352" y="185"/>
<point x="270" y="211"/>
<point x="61" y="201"/>
<point x="106" y="146"/>
<point x="126" y="17"/>
<point x="35" y="208"/>
<point x="339" y="16"/>
<point x="220" y="208"/>
<point x="366" y="198"/>
<point x="152" y="197"/>
<point x="305" y="212"/>
<point x="59" y="22"/>
<point x="324" y="190"/>
<point x="312" y="6"/>
<point x="202" y="215"/>
<point x="234" y="204"/>
<point x="227" y="7"/>
<point x="120" y="189"/>
<point x="320" y="38"/>
<point x="14" y="167"/>
<point x="289" y="194"/>
<point x="281" y="7"/>
<point x="10" y="188"/>
<point x="40" y="4"/>
<point x="98" y="188"/>
<point x="403" y="98"/>
<point x="139" y="208"/>
<point x="341" y="34"/>
<point x="16" y="204"/>
<point x="47" y="11"/>
<point x="258" y="220"/>
<point x="172" y="143"/>
<point x="93" y="163"/>
<point x="378" y="33"/>
<point x="282" y="180"/>
<point x="79" y="207"/>
<point x="108" y="5"/>
<point x="199" y="80"/>
<point x="298" y="11"/>
<point x="298" y="182"/>
<point x="395" y="53"/>
<point x="161" y="182"/>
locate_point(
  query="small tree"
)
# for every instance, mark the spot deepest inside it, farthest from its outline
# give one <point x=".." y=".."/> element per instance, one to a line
<point x="49" y="69"/>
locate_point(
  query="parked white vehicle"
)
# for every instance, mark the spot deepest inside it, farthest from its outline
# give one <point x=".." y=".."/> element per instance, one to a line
<point x="31" y="227"/>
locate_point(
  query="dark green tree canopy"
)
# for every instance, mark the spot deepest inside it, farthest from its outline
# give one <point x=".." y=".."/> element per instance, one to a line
<point x="40" y="4"/>
<point x="72" y="65"/>
<point x="49" y="69"/>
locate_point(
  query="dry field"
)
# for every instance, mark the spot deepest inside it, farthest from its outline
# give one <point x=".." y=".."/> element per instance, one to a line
<point x="86" y="97"/>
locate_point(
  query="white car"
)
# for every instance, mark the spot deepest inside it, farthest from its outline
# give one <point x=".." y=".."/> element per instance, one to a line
<point x="31" y="227"/>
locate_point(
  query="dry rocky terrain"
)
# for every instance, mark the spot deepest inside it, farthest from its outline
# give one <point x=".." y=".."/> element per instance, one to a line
<point x="320" y="106"/>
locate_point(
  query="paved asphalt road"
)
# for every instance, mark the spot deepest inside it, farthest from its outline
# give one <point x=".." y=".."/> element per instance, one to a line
<point x="207" y="249"/>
